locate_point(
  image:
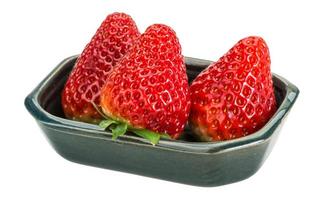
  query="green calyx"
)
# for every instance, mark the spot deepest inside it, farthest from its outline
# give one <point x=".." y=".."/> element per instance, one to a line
<point x="120" y="128"/>
<point x="117" y="128"/>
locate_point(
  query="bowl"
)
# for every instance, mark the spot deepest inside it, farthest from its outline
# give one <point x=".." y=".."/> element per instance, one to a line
<point x="185" y="161"/>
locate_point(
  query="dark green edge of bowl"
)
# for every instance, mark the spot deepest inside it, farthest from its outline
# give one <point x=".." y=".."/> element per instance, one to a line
<point x="94" y="131"/>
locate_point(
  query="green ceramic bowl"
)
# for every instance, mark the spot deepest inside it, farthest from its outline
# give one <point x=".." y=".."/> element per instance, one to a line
<point x="184" y="161"/>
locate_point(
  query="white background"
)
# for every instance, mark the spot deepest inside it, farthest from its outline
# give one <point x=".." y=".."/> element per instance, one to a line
<point x="35" y="36"/>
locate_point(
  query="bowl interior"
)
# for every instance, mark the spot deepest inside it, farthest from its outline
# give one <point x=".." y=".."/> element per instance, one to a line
<point x="50" y="95"/>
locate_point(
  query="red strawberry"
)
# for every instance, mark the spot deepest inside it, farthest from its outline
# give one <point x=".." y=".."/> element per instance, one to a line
<point x="149" y="87"/>
<point x="234" y="96"/>
<point x="109" y="44"/>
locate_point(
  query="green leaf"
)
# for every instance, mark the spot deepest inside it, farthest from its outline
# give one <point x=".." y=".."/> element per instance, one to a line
<point x="107" y="122"/>
<point x="165" y="136"/>
<point x="151" y="136"/>
<point x="118" y="130"/>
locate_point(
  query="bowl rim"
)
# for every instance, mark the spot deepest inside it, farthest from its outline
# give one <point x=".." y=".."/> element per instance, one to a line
<point x="89" y="130"/>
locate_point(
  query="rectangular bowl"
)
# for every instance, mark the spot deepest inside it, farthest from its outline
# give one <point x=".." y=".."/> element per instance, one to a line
<point x="184" y="161"/>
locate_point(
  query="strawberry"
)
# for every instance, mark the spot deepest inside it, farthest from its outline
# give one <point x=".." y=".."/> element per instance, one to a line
<point x="234" y="96"/>
<point x="109" y="44"/>
<point x="147" y="92"/>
